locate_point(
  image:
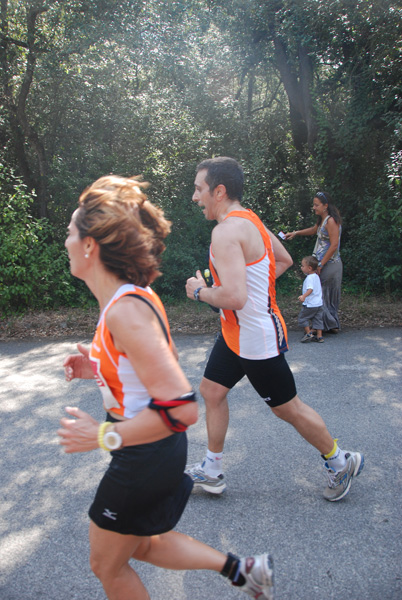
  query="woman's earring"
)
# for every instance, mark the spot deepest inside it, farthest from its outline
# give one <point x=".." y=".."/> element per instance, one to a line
<point x="86" y="255"/>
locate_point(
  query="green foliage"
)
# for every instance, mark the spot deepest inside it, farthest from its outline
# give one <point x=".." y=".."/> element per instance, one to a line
<point x="34" y="267"/>
<point x="186" y="249"/>
<point x="306" y="95"/>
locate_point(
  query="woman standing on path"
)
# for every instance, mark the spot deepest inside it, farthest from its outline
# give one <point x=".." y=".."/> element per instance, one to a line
<point x="114" y="244"/>
<point x="328" y="229"/>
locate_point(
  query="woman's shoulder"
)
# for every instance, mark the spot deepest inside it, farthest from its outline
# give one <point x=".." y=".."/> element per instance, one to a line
<point x="331" y="223"/>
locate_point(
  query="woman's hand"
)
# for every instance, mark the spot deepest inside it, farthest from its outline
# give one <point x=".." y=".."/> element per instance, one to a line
<point x="79" y="434"/>
<point x="290" y="235"/>
<point x="78" y="366"/>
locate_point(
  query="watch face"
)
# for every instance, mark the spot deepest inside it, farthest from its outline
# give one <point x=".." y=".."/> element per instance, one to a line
<point x="112" y="440"/>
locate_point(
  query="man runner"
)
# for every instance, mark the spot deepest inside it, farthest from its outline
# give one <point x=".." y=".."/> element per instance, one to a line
<point x="245" y="260"/>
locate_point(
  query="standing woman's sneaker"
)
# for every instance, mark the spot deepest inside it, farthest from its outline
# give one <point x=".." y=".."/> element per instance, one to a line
<point x="258" y="572"/>
<point x="339" y="482"/>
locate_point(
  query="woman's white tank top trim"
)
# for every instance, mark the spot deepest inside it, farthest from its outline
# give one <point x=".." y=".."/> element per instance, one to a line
<point x="122" y="390"/>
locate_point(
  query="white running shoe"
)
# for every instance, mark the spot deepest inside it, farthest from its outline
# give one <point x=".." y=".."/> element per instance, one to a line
<point x="213" y="485"/>
<point x="339" y="482"/>
<point x="258" y="571"/>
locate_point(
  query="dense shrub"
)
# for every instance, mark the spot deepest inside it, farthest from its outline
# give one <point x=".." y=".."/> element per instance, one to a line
<point x="34" y="266"/>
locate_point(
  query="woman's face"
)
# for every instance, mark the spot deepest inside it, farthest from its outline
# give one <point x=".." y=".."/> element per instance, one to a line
<point x="76" y="249"/>
<point x="319" y="208"/>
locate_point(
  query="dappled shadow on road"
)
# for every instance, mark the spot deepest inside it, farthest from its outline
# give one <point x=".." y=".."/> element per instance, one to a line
<point x="275" y="480"/>
<point x="44" y="492"/>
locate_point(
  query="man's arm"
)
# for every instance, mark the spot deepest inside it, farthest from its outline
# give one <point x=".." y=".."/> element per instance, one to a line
<point x="231" y="268"/>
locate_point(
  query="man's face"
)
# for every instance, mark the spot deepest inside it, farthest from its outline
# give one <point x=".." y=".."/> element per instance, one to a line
<point x="203" y="197"/>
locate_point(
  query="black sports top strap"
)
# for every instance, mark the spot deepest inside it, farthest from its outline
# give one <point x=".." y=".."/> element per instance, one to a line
<point x="150" y="304"/>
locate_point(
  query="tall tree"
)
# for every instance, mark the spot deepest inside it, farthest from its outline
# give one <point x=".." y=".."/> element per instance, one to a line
<point x="15" y="96"/>
<point x="36" y="39"/>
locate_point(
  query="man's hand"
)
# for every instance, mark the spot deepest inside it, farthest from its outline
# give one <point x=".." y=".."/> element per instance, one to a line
<point x="79" y="434"/>
<point x="194" y="283"/>
<point x="78" y="365"/>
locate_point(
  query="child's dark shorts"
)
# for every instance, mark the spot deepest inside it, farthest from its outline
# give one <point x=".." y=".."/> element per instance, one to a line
<point x="313" y="315"/>
<point x="144" y="490"/>
<point x="271" y="378"/>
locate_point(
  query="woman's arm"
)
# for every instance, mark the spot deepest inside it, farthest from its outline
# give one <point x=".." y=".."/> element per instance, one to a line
<point x="333" y="232"/>
<point x="137" y="333"/>
<point x="78" y="365"/>
<point x="283" y="260"/>
<point x="308" y="231"/>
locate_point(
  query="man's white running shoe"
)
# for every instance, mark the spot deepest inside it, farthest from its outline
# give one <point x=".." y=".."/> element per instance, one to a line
<point x="339" y="483"/>
<point x="213" y="485"/>
<point x="258" y="571"/>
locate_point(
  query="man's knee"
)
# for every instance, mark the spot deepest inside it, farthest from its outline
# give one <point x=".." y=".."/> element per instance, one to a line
<point x="289" y="411"/>
<point x="213" y="393"/>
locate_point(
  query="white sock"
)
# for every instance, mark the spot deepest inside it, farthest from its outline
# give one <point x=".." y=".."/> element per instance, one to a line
<point x="338" y="461"/>
<point x="212" y="464"/>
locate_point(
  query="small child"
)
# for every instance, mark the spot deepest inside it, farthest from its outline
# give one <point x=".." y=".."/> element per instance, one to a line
<point x="311" y="298"/>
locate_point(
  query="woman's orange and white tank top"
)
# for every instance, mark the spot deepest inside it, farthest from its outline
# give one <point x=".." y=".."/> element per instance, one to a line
<point x="122" y="391"/>
<point x="257" y="331"/>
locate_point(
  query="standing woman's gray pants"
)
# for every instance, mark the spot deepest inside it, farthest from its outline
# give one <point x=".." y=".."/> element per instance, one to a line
<point x="331" y="280"/>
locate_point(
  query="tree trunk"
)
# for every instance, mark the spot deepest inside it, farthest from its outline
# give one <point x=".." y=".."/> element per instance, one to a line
<point x="298" y="90"/>
<point x="21" y="131"/>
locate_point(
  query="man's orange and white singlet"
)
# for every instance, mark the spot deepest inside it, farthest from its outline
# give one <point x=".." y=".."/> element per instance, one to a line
<point x="122" y="391"/>
<point x="258" y="330"/>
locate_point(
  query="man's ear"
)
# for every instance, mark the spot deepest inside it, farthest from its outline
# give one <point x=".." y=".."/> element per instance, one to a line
<point x="220" y="191"/>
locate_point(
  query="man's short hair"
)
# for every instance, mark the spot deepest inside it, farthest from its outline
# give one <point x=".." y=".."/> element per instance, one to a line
<point x="226" y="171"/>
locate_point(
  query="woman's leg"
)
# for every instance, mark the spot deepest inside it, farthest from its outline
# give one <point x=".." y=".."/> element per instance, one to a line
<point x="173" y="550"/>
<point x="110" y="553"/>
<point x="252" y="575"/>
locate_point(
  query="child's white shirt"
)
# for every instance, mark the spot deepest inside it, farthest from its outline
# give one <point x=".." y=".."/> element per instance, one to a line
<point x="312" y="282"/>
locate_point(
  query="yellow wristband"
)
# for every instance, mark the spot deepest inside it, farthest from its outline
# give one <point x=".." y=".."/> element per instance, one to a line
<point x="101" y="433"/>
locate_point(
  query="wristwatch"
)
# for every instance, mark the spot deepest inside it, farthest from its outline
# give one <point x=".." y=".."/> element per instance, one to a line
<point x="197" y="294"/>
<point x="112" y="440"/>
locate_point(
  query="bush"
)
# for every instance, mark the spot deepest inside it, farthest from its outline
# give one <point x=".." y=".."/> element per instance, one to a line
<point x="34" y="266"/>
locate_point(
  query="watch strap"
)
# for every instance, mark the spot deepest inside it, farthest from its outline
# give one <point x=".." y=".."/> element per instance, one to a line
<point x="101" y="433"/>
<point x="197" y="294"/>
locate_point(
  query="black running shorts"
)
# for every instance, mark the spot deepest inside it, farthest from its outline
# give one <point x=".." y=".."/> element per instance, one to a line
<point x="271" y="378"/>
<point x="144" y="490"/>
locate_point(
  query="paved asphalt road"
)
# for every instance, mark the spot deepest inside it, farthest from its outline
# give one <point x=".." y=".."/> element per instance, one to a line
<point x="323" y="551"/>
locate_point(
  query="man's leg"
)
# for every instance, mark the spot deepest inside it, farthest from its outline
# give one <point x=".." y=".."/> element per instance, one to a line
<point x="217" y="413"/>
<point x="274" y="381"/>
<point x="307" y="422"/>
<point x="341" y="466"/>
<point x="222" y="372"/>
<point x="208" y="474"/>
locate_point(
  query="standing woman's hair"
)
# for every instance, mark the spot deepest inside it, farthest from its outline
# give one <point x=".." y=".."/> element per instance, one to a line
<point x="128" y="228"/>
<point x="333" y="212"/>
